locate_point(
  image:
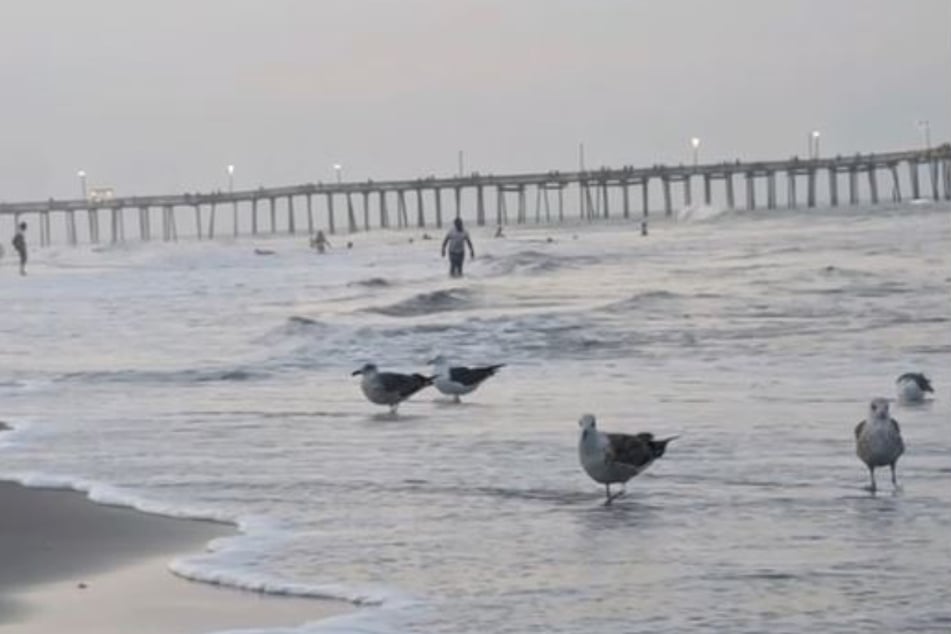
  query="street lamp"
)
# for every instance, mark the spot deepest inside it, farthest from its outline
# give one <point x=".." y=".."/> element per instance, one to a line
<point x="695" y="144"/>
<point x="338" y="168"/>
<point x="82" y="183"/>
<point x="230" y="178"/>
<point x="814" y="144"/>
<point x="925" y="127"/>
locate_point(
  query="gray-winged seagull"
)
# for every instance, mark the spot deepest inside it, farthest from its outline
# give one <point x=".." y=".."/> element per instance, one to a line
<point x="458" y="380"/>
<point x="912" y="387"/>
<point x="390" y="388"/>
<point x="616" y="458"/>
<point x="878" y="440"/>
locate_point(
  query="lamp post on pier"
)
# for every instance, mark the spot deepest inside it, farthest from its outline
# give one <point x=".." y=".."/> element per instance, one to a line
<point x="814" y="144"/>
<point x="695" y="144"/>
<point x="82" y="183"/>
<point x="924" y="126"/>
<point x="234" y="203"/>
<point x="338" y="170"/>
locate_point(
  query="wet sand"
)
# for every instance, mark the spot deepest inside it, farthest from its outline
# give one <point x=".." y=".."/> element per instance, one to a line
<point x="72" y="565"/>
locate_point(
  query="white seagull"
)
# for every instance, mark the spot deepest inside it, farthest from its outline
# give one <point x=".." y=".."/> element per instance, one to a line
<point x="390" y="388"/>
<point x="878" y="440"/>
<point x="912" y="387"/>
<point x="616" y="458"/>
<point x="458" y="380"/>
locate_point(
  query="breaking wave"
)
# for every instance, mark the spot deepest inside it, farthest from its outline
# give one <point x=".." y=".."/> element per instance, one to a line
<point x="425" y="303"/>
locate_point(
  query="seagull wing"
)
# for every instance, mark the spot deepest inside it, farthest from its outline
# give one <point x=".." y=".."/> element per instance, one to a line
<point x="859" y="429"/>
<point x="633" y="451"/>
<point x="403" y="384"/>
<point x="472" y="376"/>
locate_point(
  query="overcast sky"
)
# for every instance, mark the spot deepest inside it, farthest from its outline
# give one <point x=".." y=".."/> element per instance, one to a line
<point x="154" y="97"/>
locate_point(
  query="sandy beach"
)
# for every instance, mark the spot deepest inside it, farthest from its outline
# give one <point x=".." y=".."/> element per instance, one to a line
<point x="72" y="565"/>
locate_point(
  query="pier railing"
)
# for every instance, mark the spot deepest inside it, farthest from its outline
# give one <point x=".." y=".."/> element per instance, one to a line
<point x="386" y="204"/>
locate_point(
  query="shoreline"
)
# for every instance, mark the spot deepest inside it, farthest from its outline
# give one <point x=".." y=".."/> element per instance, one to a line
<point x="70" y="564"/>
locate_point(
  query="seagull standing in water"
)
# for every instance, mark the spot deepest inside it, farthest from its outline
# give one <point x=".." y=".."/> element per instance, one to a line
<point x="390" y="388"/>
<point x="878" y="440"/>
<point x="912" y="387"/>
<point x="616" y="458"/>
<point x="458" y="380"/>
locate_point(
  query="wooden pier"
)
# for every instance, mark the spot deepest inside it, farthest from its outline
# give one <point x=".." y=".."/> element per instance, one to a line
<point x="841" y="178"/>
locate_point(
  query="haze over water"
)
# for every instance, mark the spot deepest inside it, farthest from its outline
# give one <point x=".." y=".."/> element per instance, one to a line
<point x="201" y="380"/>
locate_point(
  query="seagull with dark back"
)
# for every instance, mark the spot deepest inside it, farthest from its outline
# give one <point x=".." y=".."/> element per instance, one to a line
<point x="616" y="458"/>
<point x="878" y="441"/>
<point x="912" y="387"/>
<point x="390" y="388"/>
<point x="458" y="380"/>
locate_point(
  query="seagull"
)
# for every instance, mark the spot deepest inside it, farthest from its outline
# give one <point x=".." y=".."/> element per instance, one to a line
<point x="456" y="381"/>
<point x="612" y="458"/>
<point x="912" y="387"/>
<point x="878" y="440"/>
<point x="390" y="388"/>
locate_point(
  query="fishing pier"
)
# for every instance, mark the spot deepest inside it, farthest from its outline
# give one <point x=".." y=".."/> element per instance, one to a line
<point x="544" y="197"/>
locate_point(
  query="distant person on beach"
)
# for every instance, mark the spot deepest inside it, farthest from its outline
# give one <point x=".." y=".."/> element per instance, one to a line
<point x="498" y="232"/>
<point x="19" y="243"/>
<point x="456" y="240"/>
<point x="320" y="242"/>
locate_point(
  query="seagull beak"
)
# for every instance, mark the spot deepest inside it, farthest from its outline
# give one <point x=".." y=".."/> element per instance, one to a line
<point x="667" y="440"/>
<point x="356" y="372"/>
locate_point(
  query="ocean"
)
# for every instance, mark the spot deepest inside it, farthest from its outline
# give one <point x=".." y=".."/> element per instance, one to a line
<point x="203" y="380"/>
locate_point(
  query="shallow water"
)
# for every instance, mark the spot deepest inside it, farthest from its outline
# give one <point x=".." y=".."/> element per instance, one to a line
<point x="201" y="379"/>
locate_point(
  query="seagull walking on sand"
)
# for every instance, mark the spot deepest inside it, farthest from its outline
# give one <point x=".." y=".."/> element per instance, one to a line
<point x="616" y="458"/>
<point x="912" y="387"/>
<point x="878" y="440"/>
<point x="458" y="380"/>
<point x="390" y="388"/>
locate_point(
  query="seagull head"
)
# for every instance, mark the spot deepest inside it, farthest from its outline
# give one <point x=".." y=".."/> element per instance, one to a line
<point x="878" y="408"/>
<point x="438" y="361"/>
<point x="587" y="422"/>
<point x="368" y="368"/>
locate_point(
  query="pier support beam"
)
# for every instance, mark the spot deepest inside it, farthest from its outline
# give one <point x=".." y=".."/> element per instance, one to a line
<point x="853" y="186"/>
<point x="211" y="221"/>
<point x="366" y="209"/>
<point x="480" y="206"/>
<point x="331" y="219"/>
<point x="273" y="210"/>
<point x="93" y="216"/>
<point x="833" y="186"/>
<point x="384" y="214"/>
<point x="688" y="195"/>
<point x="291" y="223"/>
<point x="750" y="191"/>
<point x="913" y="179"/>
<point x="351" y="217"/>
<point x="145" y="225"/>
<point x="811" y="187"/>
<point x="402" y="220"/>
<point x="198" y="227"/>
<point x="644" y="198"/>
<point x="896" y="184"/>
<point x="707" y="194"/>
<point x="626" y="198"/>
<point x="730" y="196"/>
<point x="873" y="185"/>
<point x="420" y="211"/>
<point x="791" y="189"/>
<point x="310" y="214"/>
<point x="771" y="190"/>
<point x="668" y="204"/>
<point x="458" y="191"/>
<point x="437" y="194"/>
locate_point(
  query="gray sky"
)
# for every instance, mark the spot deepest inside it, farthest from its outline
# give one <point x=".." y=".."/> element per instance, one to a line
<point x="152" y="97"/>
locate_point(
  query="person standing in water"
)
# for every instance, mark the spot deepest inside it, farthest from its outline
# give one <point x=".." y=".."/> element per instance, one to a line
<point x="320" y="242"/>
<point x="456" y="240"/>
<point x="19" y="243"/>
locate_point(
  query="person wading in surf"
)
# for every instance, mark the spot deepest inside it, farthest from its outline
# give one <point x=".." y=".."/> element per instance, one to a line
<point x="456" y="240"/>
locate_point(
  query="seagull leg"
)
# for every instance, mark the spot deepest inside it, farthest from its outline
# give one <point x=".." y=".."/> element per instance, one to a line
<point x="456" y="399"/>
<point x="607" y="489"/>
<point x="894" y="477"/>
<point x="871" y="473"/>
<point x="393" y="408"/>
